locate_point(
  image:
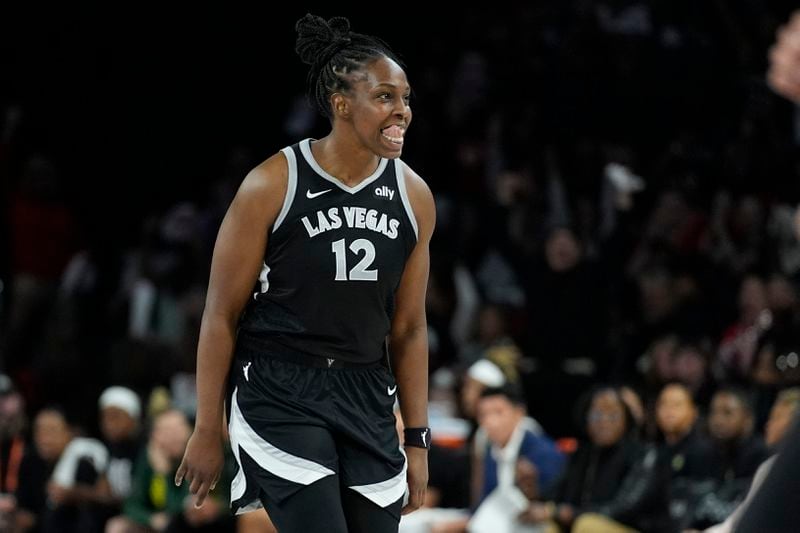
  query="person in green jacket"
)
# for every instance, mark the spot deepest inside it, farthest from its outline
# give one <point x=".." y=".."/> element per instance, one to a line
<point x="154" y="501"/>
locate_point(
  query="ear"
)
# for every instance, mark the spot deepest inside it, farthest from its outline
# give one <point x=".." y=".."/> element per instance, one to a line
<point x="340" y="105"/>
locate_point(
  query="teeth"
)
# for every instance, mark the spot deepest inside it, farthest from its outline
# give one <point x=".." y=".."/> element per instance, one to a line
<point x="396" y="140"/>
<point x="394" y="133"/>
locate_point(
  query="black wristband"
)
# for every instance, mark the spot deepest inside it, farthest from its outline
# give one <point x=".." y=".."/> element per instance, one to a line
<point x="417" y="437"/>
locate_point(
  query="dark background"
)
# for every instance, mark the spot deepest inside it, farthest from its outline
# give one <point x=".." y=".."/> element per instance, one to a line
<point x="140" y="107"/>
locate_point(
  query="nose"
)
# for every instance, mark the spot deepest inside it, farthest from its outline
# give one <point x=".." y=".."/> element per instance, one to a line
<point x="401" y="107"/>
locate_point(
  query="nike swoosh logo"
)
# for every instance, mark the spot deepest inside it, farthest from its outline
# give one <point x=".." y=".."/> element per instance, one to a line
<point x="310" y="194"/>
<point x="391" y="390"/>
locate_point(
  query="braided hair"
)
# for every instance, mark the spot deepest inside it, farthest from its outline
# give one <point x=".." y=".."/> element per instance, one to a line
<point x="334" y="52"/>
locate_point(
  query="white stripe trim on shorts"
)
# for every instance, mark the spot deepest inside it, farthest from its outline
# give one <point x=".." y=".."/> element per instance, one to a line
<point x="267" y="456"/>
<point x="386" y="492"/>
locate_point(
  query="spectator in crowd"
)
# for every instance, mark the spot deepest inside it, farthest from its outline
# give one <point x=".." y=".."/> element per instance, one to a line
<point x="613" y="482"/>
<point x="737" y="347"/>
<point x="780" y="419"/>
<point x="686" y="447"/>
<point x="513" y="457"/>
<point x="481" y="374"/>
<point x="44" y="236"/>
<point x="494" y="342"/>
<point x="154" y="501"/>
<point x="738" y="451"/>
<point x="501" y="414"/>
<point x="120" y="415"/>
<point x="55" y="476"/>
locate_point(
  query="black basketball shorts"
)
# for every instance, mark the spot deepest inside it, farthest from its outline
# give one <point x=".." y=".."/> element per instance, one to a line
<point x="294" y="420"/>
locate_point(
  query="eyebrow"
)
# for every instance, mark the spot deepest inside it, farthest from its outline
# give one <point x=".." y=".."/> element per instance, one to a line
<point x="392" y="85"/>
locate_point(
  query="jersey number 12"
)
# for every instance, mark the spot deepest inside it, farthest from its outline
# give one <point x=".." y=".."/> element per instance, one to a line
<point x="360" y="272"/>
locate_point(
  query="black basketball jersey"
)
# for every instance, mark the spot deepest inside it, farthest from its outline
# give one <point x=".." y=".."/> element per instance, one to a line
<point x="333" y="262"/>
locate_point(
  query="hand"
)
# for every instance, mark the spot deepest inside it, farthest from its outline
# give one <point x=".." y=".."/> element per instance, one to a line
<point x="565" y="514"/>
<point x="201" y="464"/>
<point x="527" y="478"/>
<point x="57" y="494"/>
<point x="784" y="57"/>
<point x="417" y="478"/>
<point x="196" y="517"/>
<point x="537" y="512"/>
<point x="158" y="459"/>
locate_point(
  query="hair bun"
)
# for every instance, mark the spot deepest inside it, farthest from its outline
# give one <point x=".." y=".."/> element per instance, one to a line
<point x="317" y="38"/>
<point x="340" y="26"/>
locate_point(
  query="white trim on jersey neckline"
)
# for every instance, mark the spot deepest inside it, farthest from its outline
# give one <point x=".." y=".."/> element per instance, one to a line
<point x="401" y="186"/>
<point x="305" y="149"/>
<point x="291" y="187"/>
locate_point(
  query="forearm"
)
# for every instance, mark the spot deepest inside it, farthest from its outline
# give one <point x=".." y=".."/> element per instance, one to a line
<point x="214" y="354"/>
<point x="409" y="351"/>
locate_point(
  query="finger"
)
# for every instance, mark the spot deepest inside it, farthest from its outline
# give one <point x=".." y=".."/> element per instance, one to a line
<point x="202" y="492"/>
<point x="414" y="502"/>
<point x="180" y="473"/>
<point x="197" y="482"/>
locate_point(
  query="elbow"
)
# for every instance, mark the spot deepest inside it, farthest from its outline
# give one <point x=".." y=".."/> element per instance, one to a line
<point x="216" y="317"/>
<point x="409" y="332"/>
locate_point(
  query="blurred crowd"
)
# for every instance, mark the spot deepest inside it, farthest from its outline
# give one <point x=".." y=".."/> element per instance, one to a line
<point x="613" y="296"/>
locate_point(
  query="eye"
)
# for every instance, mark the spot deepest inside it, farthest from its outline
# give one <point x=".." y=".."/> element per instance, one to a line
<point x="384" y="96"/>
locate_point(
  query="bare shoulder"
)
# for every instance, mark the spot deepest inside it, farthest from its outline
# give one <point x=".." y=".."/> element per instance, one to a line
<point x="263" y="190"/>
<point x="421" y="198"/>
<point x="268" y="177"/>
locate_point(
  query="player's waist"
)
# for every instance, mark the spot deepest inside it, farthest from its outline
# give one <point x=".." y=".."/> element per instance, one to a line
<point x="263" y="346"/>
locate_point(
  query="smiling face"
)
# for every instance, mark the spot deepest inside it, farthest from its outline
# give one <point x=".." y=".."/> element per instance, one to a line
<point x="377" y="107"/>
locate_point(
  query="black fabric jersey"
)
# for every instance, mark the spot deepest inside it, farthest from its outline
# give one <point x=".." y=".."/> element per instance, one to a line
<point x="333" y="262"/>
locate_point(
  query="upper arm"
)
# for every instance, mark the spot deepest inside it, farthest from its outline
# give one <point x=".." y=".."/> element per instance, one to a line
<point x="410" y="298"/>
<point x="242" y="237"/>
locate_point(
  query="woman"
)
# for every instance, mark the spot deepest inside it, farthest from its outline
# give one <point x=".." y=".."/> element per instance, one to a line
<point x="334" y="235"/>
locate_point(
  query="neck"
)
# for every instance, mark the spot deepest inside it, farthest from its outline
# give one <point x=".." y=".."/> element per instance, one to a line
<point x="676" y="436"/>
<point x="344" y="158"/>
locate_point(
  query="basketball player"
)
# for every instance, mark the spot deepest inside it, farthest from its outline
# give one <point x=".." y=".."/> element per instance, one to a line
<point x="774" y="507"/>
<point x="319" y="275"/>
<point x="784" y="57"/>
